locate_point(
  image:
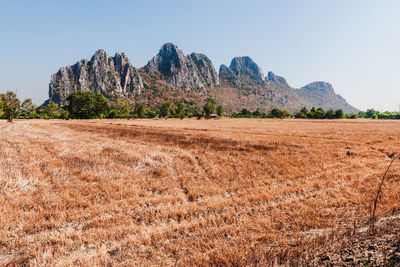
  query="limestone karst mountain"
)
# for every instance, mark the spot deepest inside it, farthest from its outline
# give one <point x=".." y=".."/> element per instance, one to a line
<point x="192" y="73"/>
<point x="243" y="84"/>
<point x="170" y="75"/>
<point x="110" y="76"/>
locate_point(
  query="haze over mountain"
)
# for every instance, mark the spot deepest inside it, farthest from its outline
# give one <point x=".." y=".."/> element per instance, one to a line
<point x="170" y="75"/>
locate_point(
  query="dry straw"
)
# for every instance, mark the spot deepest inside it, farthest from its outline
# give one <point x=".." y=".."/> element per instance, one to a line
<point x="380" y="187"/>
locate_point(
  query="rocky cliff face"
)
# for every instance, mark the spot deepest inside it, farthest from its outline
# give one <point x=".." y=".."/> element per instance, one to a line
<point x="110" y="76"/>
<point x="245" y="66"/>
<point x="242" y="71"/>
<point x="205" y="69"/>
<point x="276" y="80"/>
<point x="192" y="73"/>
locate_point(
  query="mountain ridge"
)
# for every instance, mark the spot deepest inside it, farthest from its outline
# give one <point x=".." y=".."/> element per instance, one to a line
<point x="172" y="75"/>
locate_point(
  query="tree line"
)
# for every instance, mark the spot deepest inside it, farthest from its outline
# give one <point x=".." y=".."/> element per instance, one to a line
<point x="374" y="114"/>
<point x="304" y="113"/>
<point x="89" y="105"/>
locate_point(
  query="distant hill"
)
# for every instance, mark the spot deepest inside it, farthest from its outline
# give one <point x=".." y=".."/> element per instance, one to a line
<point x="171" y="75"/>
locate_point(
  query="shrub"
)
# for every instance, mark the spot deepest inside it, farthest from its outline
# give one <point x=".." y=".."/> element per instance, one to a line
<point x="113" y="114"/>
<point x="300" y="115"/>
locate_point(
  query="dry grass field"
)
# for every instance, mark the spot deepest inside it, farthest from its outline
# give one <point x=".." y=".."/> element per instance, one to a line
<point x="189" y="192"/>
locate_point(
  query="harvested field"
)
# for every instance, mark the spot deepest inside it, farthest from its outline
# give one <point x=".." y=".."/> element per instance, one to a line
<point x="190" y="192"/>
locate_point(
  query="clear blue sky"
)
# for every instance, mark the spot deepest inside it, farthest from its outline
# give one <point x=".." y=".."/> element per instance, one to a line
<point x="355" y="45"/>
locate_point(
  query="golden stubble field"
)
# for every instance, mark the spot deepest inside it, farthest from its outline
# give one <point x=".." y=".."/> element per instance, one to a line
<point x="188" y="192"/>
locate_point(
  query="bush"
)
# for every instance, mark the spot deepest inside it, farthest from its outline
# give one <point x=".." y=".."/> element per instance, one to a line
<point x="300" y="115"/>
<point x="114" y="113"/>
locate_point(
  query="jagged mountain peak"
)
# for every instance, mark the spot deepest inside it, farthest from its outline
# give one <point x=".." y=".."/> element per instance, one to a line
<point x="100" y="54"/>
<point x="245" y="66"/>
<point x="170" y="47"/>
<point x="168" y="60"/>
<point x="121" y="61"/>
<point x="110" y="76"/>
<point x="121" y="55"/>
<point x="277" y="80"/>
<point x="192" y="73"/>
<point x="224" y="69"/>
<point x="205" y="68"/>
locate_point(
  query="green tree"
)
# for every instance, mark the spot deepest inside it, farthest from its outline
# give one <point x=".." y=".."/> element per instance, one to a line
<point x="123" y="106"/>
<point x="304" y="110"/>
<point x="28" y="108"/>
<point x="86" y="105"/>
<point x="319" y="114"/>
<point x="209" y="108"/>
<point x="361" y="114"/>
<point x="256" y="113"/>
<point x="275" y="113"/>
<point x="166" y="109"/>
<point x="141" y="110"/>
<point x="339" y="114"/>
<point x="280" y="113"/>
<point x="151" y="113"/>
<point x="371" y="113"/>
<point x="352" y="116"/>
<point x="114" y="113"/>
<point x="40" y="112"/>
<point x="11" y="105"/>
<point x="284" y="113"/>
<point x="180" y="109"/>
<point x="301" y="115"/>
<point x="245" y="113"/>
<point x="220" y="111"/>
<point x="64" y="114"/>
<point x="52" y="110"/>
<point x="330" y="114"/>
<point x="1" y="107"/>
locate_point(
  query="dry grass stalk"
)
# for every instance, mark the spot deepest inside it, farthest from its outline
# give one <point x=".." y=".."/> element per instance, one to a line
<point x="381" y="185"/>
